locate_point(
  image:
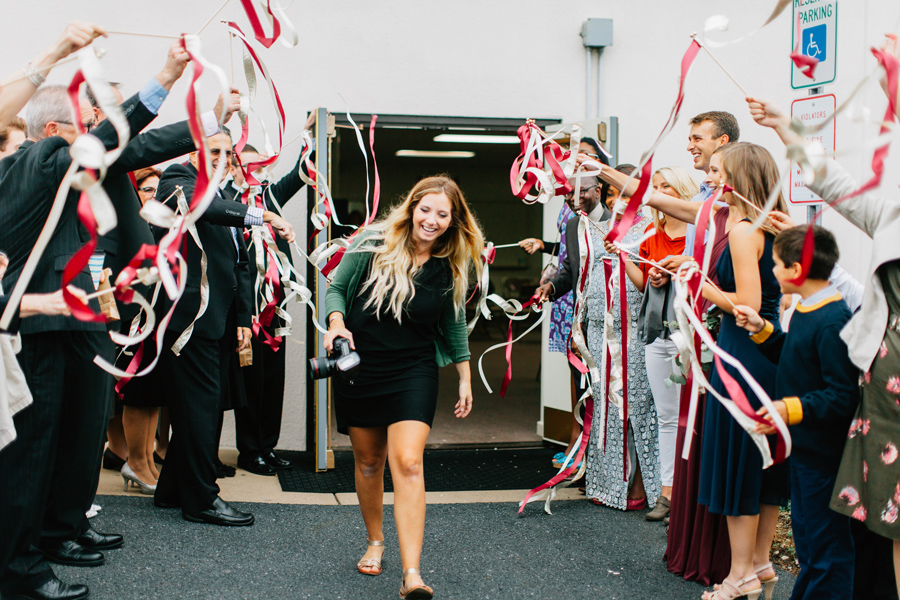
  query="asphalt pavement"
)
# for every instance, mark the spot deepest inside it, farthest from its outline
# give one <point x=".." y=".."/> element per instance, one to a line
<point x="471" y="551"/>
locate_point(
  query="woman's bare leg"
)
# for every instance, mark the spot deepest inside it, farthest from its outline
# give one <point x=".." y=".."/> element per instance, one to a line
<point x="765" y="534"/>
<point x="406" y="449"/>
<point x="135" y="420"/>
<point x="115" y="435"/>
<point x="369" y="453"/>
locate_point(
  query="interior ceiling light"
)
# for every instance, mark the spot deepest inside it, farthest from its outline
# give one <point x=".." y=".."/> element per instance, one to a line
<point x="464" y="138"/>
<point x="435" y="153"/>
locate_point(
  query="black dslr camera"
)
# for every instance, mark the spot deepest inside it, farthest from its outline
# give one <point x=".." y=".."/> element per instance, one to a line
<point x="343" y="361"/>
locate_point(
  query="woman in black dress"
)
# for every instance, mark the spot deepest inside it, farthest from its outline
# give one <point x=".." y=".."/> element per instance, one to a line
<point x="399" y="297"/>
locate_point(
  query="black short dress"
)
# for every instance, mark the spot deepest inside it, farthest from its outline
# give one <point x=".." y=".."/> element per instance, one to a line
<point x="398" y="374"/>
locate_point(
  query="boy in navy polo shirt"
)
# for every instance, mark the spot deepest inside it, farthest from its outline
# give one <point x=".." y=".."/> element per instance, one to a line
<point x="817" y="391"/>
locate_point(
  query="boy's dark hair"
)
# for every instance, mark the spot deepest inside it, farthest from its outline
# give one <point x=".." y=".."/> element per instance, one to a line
<point x="789" y="246"/>
<point x="725" y="124"/>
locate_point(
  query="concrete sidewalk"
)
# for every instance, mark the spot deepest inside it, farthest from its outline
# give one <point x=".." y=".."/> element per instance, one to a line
<point x="480" y="550"/>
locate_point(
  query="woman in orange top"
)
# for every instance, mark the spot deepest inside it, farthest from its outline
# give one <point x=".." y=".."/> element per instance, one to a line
<point x="656" y="312"/>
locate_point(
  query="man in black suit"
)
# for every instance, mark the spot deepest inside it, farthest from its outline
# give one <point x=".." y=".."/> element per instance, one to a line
<point x="591" y="202"/>
<point x="194" y="378"/>
<point x="258" y="425"/>
<point x="118" y="246"/>
<point x="60" y="433"/>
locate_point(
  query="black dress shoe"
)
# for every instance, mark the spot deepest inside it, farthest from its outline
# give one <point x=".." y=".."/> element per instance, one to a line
<point x="165" y="504"/>
<point x="94" y="540"/>
<point x="275" y="461"/>
<point x="223" y="470"/>
<point x="255" y="465"/>
<point x="73" y="554"/>
<point x="158" y="459"/>
<point x="54" y="590"/>
<point x="221" y="514"/>
<point x="111" y="460"/>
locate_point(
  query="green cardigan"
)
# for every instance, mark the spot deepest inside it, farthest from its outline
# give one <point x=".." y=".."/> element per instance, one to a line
<point x="452" y="342"/>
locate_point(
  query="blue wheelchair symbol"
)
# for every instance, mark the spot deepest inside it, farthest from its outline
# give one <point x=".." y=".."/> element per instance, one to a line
<point x="815" y="41"/>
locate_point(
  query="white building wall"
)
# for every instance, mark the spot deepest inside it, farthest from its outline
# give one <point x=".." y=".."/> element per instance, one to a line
<point x="502" y="58"/>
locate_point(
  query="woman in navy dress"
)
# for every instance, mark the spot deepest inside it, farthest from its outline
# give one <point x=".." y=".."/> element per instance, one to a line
<point x="732" y="480"/>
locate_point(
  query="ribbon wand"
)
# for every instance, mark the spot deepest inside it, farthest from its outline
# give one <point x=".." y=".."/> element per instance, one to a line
<point x="721" y="66"/>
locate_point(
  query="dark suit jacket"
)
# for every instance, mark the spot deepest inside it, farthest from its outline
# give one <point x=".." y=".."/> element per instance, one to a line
<point x="567" y="276"/>
<point x="283" y="190"/>
<point x="148" y="149"/>
<point x="227" y="268"/>
<point x="29" y="180"/>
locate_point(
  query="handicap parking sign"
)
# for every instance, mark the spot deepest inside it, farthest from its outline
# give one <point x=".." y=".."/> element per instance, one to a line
<point x="815" y="42"/>
<point x="815" y="22"/>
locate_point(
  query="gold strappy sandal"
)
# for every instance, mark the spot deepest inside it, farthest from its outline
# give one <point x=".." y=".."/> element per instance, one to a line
<point x="768" y="584"/>
<point x="375" y="565"/>
<point x="417" y="592"/>
<point x="732" y="590"/>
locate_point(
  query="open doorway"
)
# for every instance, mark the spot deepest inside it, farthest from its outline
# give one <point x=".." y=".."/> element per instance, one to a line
<point x="481" y="167"/>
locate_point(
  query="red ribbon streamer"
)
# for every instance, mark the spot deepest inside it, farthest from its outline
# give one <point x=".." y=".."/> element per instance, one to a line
<point x="553" y="154"/>
<point x="806" y="64"/>
<point x="507" y="378"/>
<point x="258" y="31"/>
<point x="634" y="203"/>
<point x="80" y="259"/>
<point x="376" y="195"/>
<point x="585" y="436"/>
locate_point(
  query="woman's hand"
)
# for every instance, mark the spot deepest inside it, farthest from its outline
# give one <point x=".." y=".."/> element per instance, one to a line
<point x="336" y="328"/>
<point x="464" y="405"/>
<point x="532" y="245"/>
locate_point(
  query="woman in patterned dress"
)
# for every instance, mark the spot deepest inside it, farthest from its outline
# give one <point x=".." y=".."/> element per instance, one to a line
<point x="609" y="467"/>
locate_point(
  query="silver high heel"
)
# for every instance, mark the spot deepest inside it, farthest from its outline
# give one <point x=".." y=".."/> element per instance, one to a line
<point x="768" y="584"/>
<point x="129" y="477"/>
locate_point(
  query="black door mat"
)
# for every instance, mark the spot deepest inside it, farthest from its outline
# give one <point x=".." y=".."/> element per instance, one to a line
<point x="445" y="471"/>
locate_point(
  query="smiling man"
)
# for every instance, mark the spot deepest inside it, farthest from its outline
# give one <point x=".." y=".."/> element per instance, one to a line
<point x="709" y="131"/>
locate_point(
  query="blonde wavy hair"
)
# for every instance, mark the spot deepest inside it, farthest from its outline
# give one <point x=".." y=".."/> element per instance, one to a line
<point x="394" y="265"/>
<point x="679" y="180"/>
<point x="752" y="172"/>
